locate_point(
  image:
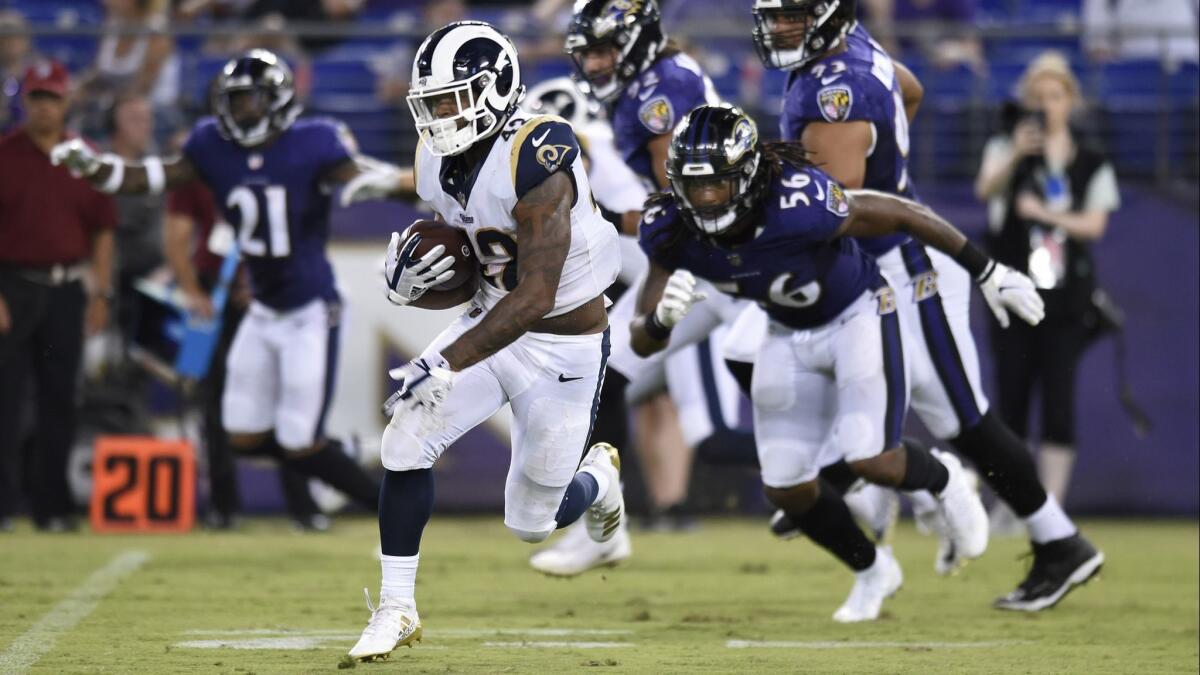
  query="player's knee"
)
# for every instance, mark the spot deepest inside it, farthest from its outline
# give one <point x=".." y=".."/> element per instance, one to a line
<point x="401" y="450"/>
<point x="294" y="437"/>
<point x="796" y="499"/>
<point x="531" y="536"/>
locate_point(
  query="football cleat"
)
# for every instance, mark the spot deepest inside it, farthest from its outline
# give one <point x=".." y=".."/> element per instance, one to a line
<point x="872" y="586"/>
<point x="603" y="518"/>
<point x="393" y="624"/>
<point x="1058" y="567"/>
<point x="963" y="514"/>
<point x="575" y="552"/>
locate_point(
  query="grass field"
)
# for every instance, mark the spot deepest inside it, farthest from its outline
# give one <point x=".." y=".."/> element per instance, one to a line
<point x="725" y="599"/>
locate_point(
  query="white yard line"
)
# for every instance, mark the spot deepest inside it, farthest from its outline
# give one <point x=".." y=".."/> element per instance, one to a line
<point x="559" y="645"/>
<point x="448" y="632"/>
<point x="822" y="644"/>
<point x="36" y="642"/>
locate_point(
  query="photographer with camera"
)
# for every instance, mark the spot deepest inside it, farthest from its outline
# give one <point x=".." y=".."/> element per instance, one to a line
<point x="1049" y="196"/>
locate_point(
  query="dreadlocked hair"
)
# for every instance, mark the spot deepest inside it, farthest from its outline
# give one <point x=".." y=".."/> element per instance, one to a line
<point x="779" y="153"/>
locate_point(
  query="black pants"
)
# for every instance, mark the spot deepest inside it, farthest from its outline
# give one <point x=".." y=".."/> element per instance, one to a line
<point x="1043" y="356"/>
<point x="45" y="344"/>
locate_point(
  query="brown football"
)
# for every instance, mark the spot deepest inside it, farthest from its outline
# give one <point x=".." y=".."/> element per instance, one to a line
<point x="456" y="243"/>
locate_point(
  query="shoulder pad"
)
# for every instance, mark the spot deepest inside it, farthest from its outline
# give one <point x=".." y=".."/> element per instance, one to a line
<point x="541" y="147"/>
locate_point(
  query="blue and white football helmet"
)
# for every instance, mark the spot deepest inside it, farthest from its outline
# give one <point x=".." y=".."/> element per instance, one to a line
<point x="476" y="66"/>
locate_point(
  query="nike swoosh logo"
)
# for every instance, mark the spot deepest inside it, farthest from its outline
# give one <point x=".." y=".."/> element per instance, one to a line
<point x="564" y="378"/>
<point x="646" y="94"/>
<point x="538" y="141"/>
<point x="828" y="80"/>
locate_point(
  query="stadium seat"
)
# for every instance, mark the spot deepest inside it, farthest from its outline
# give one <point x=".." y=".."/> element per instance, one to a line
<point x="343" y="76"/>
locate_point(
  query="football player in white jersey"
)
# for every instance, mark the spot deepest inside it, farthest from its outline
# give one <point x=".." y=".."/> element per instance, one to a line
<point x="535" y="334"/>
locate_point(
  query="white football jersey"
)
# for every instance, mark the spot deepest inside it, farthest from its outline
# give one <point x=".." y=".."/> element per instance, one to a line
<point x="527" y="150"/>
<point x="616" y="186"/>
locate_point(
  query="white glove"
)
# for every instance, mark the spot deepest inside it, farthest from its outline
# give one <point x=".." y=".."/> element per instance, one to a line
<point x="424" y="385"/>
<point x="677" y="299"/>
<point x="408" y="279"/>
<point x="373" y="185"/>
<point x="80" y="160"/>
<point x="1006" y="289"/>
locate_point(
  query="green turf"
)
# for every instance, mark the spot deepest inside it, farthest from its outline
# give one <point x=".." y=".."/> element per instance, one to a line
<point x="674" y="607"/>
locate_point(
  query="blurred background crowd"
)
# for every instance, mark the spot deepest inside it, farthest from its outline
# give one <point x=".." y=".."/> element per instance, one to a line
<point x="140" y="70"/>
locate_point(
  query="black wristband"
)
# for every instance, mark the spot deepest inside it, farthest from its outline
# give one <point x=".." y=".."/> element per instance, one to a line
<point x="975" y="261"/>
<point x="654" y="328"/>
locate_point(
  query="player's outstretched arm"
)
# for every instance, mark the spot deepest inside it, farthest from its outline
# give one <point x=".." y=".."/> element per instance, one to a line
<point x="875" y="214"/>
<point x="665" y="298"/>
<point x="543" y="218"/>
<point x="111" y="174"/>
<point x="369" y="179"/>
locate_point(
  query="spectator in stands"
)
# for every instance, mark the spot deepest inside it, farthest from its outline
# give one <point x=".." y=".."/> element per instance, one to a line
<point x="144" y="63"/>
<point x="941" y="30"/>
<point x="1157" y="30"/>
<point x="15" y="57"/>
<point x="51" y="226"/>
<point x="1049" y="197"/>
<point x="139" y="217"/>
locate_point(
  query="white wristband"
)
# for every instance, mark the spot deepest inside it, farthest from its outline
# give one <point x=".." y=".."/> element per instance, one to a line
<point x="116" y="176"/>
<point x="155" y="177"/>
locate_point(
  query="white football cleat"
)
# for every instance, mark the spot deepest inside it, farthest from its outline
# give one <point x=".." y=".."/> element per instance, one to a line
<point x="871" y="587"/>
<point x="875" y="508"/>
<point x="393" y="624"/>
<point x="603" y="518"/>
<point x="962" y="513"/>
<point x="575" y="552"/>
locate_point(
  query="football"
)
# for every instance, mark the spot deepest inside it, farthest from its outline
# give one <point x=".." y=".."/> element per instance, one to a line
<point x="457" y="245"/>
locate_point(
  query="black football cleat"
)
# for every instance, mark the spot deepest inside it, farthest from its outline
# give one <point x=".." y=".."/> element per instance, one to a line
<point x="1058" y="567"/>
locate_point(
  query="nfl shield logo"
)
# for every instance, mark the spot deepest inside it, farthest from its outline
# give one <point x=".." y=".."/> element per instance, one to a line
<point x="734" y="259"/>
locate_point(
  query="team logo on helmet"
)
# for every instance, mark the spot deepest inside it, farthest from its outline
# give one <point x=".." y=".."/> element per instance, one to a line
<point x="835" y="103"/>
<point x="551" y="156"/>
<point x="743" y="139"/>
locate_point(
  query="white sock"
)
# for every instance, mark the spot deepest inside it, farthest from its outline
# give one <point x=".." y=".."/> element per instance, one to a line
<point x="1049" y="523"/>
<point x="399" y="577"/>
<point x="601" y="482"/>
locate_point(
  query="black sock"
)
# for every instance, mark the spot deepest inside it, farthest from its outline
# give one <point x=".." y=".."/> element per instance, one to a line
<point x="296" y="496"/>
<point x="830" y="525"/>
<point x="405" y="505"/>
<point x="332" y="465"/>
<point x="839" y="476"/>
<point x="742" y="372"/>
<point x="728" y="447"/>
<point x="922" y="470"/>
<point x="612" y="415"/>
<point x="580" y="494"/>
<point x="1004" y="462"/>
